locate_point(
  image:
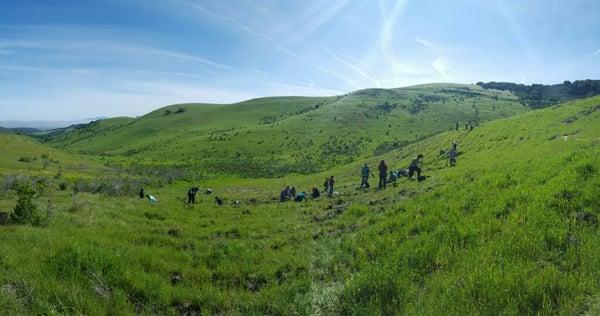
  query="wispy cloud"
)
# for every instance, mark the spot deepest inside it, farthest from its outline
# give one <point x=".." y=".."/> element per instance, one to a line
<point x="338" y="76"/>
<point x="441" y="65"/>
<point x="204" y="11"/>
<point x="386" y="39"/>
<point x="352" y="66"/>
<point x="515" y="27"/>
<point x="332" y="73"/>
<point x="596" y="53"/>
<point x="426" y="43"/>
<point x="315" y="22"/>
<point x="84" y="47"/>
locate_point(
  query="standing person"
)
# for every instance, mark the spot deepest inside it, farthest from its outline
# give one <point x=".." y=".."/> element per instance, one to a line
<point x="457" y="126"/>
<point x="382" y="175"/>
<point x="142" y="194"/>
<point x="326" y="185"/>
<point x="191" y="194"/>
<point x="415" y="166"/>
<point x="364" y="174"/>
<point x="330" y="183"/>
<point x="454" y="144"/>
<point x="452" y="157"/>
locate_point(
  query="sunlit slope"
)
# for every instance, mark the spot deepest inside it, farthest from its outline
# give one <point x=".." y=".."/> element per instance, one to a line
<point x="273" y="136"/>
<point x="512" y="229"/>
<point x="23" y="153"/>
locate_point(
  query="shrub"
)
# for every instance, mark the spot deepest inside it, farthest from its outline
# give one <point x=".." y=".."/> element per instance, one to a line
<point x="26" y="210"/>
<point x="27" y="159"/>
<point x="585" y="171"/>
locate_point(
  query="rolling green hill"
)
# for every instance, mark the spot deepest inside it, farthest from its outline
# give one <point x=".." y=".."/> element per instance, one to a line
<point x="275" y="136"/>
<point x="23" y="153"/>
<point x="512" y="229"/>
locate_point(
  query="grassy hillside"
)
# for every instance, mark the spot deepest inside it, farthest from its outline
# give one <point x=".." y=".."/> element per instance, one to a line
<point x="275" y="136"/>
<point x="513" y="229"/>
<point x="23" y="153"/>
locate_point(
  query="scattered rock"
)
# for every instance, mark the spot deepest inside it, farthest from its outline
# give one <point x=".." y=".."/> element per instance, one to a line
<point x="233" y="233"/>
<point x="255" y="283"/>
<point x="176" y="278"/>
<point x="174" y="232"/>
<point x="587" y="218"/>
<point x="187" y="308"/>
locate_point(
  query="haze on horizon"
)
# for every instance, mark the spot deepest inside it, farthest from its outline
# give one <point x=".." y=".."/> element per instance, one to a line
<point x="69" y="60"/>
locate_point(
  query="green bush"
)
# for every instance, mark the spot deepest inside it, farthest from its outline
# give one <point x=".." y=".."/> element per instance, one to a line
<point x="26" y="211"/>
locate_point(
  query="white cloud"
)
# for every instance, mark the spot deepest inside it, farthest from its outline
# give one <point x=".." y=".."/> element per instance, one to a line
<point x="441" y="65"/>
<point x="425" y="43"/>
<point x="596" y="53"/>
<point x="352" y="66"/>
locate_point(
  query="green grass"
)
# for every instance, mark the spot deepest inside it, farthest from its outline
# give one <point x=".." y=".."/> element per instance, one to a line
<point x="275" y="136"/>
<point x="512" y="229"/>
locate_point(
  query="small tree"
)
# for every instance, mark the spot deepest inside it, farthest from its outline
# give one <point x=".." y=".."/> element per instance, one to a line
<point x="26" y="209"/>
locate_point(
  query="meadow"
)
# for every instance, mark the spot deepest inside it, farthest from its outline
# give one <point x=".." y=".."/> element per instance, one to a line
<point x="512" y="229"/>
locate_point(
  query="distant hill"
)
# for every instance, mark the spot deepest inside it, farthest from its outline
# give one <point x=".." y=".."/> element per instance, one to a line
<point x="540" y="96"/>
<point x="5" y="130"/>
<point x="279" y="135"/>
<point x="25" y="130"/>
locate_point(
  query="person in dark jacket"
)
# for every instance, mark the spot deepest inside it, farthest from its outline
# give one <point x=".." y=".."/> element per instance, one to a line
<point x="383" y="171"/>
<point x="285" y="194"/>
<point x="415" y="167"/>
<point x="315" y="193"/>
<point x="330" y="183"/>
<point x="452" y="154"/>
<point x="191" y="194"/>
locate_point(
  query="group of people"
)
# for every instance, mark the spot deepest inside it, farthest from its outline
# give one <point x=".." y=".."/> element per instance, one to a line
<point x="191" y="196"/>
<point x="289" y="193"/>
<point x="413" y="168"/>
<point x="469" y="126"/>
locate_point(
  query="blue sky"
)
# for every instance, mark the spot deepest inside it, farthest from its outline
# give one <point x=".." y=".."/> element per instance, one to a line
<point x="69" y="60"/>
